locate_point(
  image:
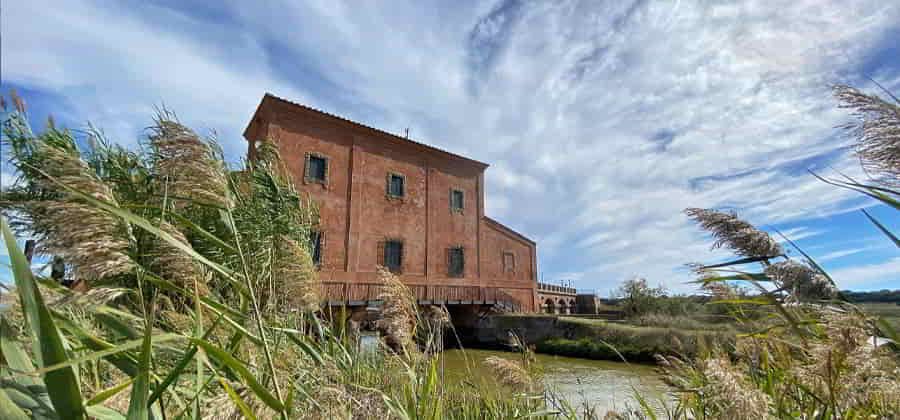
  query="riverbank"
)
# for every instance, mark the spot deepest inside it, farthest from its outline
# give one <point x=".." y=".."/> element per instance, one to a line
<point x="598" y="384"/>
<point x="599" y="339"/>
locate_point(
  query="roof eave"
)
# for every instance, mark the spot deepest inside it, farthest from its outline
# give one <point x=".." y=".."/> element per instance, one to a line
<point x="270" y="97"/>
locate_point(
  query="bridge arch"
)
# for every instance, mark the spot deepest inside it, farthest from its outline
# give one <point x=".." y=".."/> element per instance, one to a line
<point x="549" y="306"/>
<point x="562" y="307"/>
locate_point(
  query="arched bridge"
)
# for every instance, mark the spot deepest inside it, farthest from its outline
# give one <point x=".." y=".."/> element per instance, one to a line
<point x="555" y="299"/>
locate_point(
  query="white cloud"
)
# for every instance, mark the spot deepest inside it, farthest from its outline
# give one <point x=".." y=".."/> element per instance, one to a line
<point x="115" y="68"/>
<point x="602" y="121"/>
<point x="800" y="232"/>
<point x="834" y="255"/>
<point x="869" y="276"/>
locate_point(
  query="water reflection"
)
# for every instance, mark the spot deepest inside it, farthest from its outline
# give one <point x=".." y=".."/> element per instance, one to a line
<point x="604" y="385"/>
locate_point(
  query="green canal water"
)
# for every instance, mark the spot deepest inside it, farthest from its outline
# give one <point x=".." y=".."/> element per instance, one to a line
<point x="604" y="385"/>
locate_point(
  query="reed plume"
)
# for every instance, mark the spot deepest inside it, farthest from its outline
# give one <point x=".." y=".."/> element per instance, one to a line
<point x="876" y="130"/>
<point x="296" y="276"/>
<point x="190" y="169"/>
<point x="845" y="365"/>
<point x="729" y="394"/>
<point x="801" y="281"/>
<point x="174" y="264"/>
<point x="94" y="243"/>
<point x="509" y="373"/>
<point x="719" y="290"/>
<point x="398" y="311"/>
<point x="736" y="234"/>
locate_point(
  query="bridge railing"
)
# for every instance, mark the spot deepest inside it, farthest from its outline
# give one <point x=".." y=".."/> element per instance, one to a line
<point x="557" y="289"/>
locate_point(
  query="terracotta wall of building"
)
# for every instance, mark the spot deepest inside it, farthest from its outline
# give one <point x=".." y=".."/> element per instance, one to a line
<point x="356" y="215"/>
<point x="519" y="276"/>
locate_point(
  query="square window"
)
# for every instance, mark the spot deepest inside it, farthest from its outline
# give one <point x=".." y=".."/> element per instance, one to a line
<point x="509" y="262"/>
<point x="316" y="168"/>
<point x="315" y="247"/>
<point x="456" y="262"/>
<point x="396" y="185"/>
<point x="393" y="255"/>
<point x="456" y="200"/>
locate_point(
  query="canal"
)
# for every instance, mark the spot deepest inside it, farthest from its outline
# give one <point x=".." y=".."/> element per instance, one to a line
<point x="604" y="385"/>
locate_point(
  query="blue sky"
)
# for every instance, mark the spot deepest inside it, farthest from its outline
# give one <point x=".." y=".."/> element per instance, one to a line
<point x="601" y="120"/>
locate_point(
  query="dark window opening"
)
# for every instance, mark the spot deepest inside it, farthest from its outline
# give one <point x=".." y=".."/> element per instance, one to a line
<point x="456" y="262"/>
<point x="393" y="256"/>
<point x="315" y="247"/>
<point x="456" y="200"/>
<point x="316" y="168"/>
<point x="396" y="187"/>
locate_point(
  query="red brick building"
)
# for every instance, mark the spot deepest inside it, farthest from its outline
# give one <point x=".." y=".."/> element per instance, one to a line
<point x="388" y="201"/>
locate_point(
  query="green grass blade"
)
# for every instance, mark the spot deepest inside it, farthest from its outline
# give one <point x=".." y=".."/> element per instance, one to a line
<point x="32" y="398"/>
<point x="138" y="407"/>
<point x="193" y="226"/>
<point x="109" y="392"/>
<point x="9" y="410"/>
<point x="735" y="277"/>
<point x="124" y="361"/>
<point x="882" y="228"/>
<point x="238" y="367"/>
<point x="646" y="409"/>
<point x="741" y="261"/>
<point x="62" y="385"/>
<point x="100" y="412"/>
<point x="122" y="347"/>
<point x="887" y="330"/>
<point x="236" y="399"/>
<point x="295" y="337"/>
<point x="182" y="364"/>
<point x="14" y="354"/>
<point x="868" y="190"/>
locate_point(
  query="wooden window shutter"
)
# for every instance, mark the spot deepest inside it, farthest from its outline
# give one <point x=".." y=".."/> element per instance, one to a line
<point x="380" y="262"/>
<point x="462" y="262"/>
<point x="321" y="248"/>
<point x="400" y="269"/>
<point x="307" y="171"/>
<point x="449" y="261"/>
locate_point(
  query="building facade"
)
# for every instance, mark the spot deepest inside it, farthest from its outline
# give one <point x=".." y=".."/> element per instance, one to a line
<point x="388" y="201"/>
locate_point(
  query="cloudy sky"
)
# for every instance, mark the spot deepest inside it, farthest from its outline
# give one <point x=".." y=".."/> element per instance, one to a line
<point x="602" y="120"/>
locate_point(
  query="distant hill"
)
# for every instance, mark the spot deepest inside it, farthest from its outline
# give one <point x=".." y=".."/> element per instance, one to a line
<point x="880" y="296"/>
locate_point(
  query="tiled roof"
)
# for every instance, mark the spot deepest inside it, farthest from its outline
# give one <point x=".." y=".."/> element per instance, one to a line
<point x="366" y="127"/>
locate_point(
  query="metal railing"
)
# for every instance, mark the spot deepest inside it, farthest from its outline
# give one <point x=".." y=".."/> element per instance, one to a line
<point x="557" y="289"/>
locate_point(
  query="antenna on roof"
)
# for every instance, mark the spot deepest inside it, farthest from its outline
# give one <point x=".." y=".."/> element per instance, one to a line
<point x="407" y="133"/>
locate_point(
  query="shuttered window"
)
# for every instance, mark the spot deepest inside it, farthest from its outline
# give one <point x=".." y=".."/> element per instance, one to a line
<point x="396" y="185"/>
<point x="316" y="168"/>
<point x="393" y="255"/>
<point x="456" y="200"/>
<point x="456" y="262"/>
